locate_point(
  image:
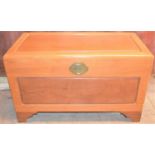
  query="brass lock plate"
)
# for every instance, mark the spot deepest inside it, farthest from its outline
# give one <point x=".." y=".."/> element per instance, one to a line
<point x="78" y="68"/>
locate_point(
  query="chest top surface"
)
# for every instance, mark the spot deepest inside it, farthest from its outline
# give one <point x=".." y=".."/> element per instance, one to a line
<point x="79" y="43"/>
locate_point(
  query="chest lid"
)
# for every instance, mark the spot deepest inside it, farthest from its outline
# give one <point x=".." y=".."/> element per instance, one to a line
<point x="79" y="43"/>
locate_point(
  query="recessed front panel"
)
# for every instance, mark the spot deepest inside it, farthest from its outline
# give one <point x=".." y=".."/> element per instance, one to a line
<point x="44" y="90"/>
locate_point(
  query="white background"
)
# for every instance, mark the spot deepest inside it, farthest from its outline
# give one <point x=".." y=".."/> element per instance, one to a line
<point x="74" y="139"/>
<point x="80" y="15"/>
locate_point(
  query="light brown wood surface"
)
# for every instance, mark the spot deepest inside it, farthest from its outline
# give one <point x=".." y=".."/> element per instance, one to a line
<point x="78" y="90"/>
<point x="50" y="55"/>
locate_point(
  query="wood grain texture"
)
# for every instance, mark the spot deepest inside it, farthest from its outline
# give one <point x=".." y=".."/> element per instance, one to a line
<point x="78" y="90"/>
<point x="70" y="41"/>
<point x="117" y="58"/>
<point x="7" y="38"/>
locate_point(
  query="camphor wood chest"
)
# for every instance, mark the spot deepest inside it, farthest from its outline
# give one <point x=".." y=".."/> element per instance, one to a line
<point x="78" y="72"/>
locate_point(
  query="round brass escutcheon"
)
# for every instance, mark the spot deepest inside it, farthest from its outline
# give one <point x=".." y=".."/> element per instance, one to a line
<point x="78" y="68"/>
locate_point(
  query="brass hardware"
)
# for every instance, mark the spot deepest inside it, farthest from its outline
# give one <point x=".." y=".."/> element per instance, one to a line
<point x="78" y="68"/>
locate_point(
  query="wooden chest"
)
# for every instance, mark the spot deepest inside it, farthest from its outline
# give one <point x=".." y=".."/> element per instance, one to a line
<point x="78" y="72"/>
